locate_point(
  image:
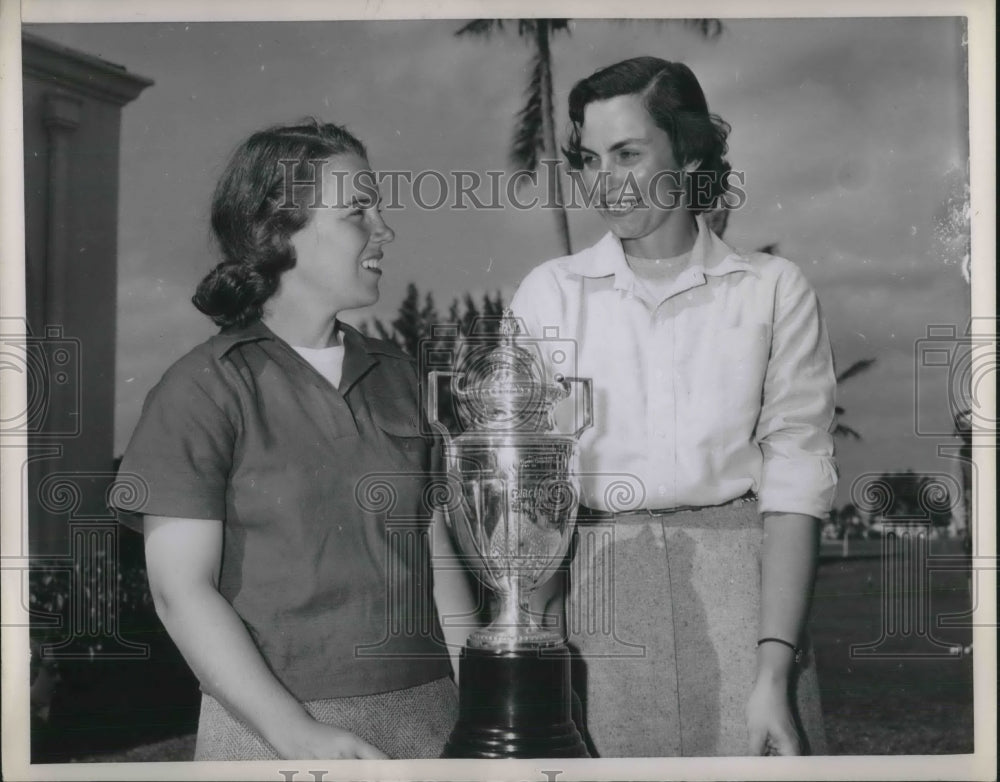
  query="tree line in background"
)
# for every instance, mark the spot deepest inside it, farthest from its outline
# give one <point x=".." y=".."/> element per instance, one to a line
<point x="903" y="498"/>
<point x="419" y="327"/>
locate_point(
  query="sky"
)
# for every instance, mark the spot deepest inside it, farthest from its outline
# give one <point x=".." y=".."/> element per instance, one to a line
<point x="852" y="134"/>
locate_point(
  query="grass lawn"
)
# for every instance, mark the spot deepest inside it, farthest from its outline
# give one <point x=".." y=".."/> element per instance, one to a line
<point x="895" y="705"/>
<point x="903" y="704"/>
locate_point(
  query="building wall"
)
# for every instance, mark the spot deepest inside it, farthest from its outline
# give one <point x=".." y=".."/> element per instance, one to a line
<point x="72" y="119"/>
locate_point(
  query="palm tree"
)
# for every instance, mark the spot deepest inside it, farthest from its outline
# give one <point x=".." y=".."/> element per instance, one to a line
<point x="534" y="134"/>
<point x="535" y="130"/>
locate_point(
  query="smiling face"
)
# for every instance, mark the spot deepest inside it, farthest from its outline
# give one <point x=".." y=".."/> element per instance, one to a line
<point x="631" y="161"/>
<point x="338" y="252"/>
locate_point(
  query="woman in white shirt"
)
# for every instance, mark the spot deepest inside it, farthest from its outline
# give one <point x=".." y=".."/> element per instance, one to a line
<point x="711" y="459"/>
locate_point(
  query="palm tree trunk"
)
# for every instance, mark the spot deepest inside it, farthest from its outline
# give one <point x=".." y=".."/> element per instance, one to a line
<point x="553" y="181"/>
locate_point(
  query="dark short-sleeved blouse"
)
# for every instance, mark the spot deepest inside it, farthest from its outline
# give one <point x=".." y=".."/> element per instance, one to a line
<point x="325" y="554"/>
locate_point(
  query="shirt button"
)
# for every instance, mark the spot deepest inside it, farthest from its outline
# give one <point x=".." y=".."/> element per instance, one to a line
<point x="663" y="489"/>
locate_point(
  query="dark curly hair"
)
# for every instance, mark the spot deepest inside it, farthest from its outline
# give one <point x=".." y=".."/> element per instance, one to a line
<point x="675" y="101"/>
<point x="253" y="217"/>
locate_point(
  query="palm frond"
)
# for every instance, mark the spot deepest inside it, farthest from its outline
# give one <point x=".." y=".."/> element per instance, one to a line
<point x="528" y="130"/>
<point x="842" y="430"/>
<point x="855" y="369"/>
<point x="481" y="27"/>
<point x="527" y="27"/>
<point x="709" y="29"/>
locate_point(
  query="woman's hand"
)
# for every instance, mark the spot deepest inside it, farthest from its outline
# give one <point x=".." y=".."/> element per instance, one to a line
<point x="769" y="719"/>
<point x="314" y="740"/>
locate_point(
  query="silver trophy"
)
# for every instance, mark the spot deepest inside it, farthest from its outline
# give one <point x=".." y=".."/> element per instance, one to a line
<point x="519" y="496"/>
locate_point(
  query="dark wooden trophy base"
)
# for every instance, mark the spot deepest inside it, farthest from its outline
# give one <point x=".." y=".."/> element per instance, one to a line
<point x="515" y="704"/>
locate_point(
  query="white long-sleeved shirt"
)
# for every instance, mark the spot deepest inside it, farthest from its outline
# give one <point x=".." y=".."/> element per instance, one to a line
<point x="725" y="386"/>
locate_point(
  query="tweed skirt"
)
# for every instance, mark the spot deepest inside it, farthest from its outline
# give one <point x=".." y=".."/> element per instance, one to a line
<point x="663" y="612"/>
<point x="410" y="723"/>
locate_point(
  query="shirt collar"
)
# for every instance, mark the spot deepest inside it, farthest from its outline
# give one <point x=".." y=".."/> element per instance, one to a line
<point x="710" y="257"/>
<point x="229" y="338"/>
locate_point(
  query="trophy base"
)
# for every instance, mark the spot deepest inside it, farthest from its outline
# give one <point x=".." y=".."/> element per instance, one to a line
<point x="515" y="704"/>
<point x="525" y="639"/>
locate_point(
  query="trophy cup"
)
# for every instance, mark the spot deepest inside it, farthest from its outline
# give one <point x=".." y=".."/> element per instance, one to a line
<point x="512" y="521"/>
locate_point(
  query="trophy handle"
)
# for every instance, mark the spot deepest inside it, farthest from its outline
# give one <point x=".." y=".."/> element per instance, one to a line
<point x="588" y="400"/>
<point x="432" y="402"/>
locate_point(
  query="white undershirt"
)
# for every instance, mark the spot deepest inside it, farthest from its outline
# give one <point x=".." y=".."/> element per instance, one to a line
<point x="329" y="362"/>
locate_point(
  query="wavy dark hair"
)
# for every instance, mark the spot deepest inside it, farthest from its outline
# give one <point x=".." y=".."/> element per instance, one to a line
<point x="260" y="201"/>
<point x="675" y="101"/>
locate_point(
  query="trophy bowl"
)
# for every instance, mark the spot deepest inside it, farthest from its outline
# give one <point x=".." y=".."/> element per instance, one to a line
<point x="514" y="524"/>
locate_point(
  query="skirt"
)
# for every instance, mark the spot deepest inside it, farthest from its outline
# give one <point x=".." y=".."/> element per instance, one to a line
<point x="410" y="723"/>
<point x="662" y="616"/>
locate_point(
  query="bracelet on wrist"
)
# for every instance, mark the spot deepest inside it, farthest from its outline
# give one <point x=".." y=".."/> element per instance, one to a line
<point x="795" y="650"/>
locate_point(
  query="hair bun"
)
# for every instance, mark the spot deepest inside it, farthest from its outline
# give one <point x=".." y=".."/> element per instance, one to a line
<point x="233" y="294"/>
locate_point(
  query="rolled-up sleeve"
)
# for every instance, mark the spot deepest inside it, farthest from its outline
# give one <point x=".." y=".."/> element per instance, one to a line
<point x="179" y="458"/>
<point x="799" y="474"/>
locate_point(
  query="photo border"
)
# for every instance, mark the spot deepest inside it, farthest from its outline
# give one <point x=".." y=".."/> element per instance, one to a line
<point x="981" y="71"/>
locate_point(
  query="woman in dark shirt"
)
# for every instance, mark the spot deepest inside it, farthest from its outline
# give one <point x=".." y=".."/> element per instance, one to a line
<point x="284" y="468"/>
